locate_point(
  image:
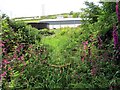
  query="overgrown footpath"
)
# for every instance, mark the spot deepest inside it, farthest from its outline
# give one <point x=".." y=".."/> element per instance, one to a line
<point x="72" y="56"/>
<point x="83" y="57"/>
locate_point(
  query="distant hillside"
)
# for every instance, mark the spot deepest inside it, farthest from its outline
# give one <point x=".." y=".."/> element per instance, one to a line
<point x="37" y="18"/>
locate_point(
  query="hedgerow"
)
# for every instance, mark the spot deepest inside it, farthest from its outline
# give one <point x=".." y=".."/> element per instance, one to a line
<point x="67" y="58"/>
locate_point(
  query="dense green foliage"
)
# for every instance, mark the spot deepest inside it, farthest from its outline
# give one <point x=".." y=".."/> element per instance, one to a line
<point x="66" y="58"/>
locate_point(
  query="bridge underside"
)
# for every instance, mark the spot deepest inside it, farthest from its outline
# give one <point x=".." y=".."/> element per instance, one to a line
<point x="62" y="22"/>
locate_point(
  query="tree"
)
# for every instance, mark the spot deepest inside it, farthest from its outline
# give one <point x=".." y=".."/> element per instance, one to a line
<point x="75" y="15"/>
<point x="91" y="12"/>
<point x="71" y="13"/>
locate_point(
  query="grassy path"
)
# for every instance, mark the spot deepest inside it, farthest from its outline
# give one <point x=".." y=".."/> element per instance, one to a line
<point x="60" y="42"/>
<point x="57" y="43"/>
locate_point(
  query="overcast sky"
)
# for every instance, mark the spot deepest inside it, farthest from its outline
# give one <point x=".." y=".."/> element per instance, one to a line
<point x="23" y="8"/>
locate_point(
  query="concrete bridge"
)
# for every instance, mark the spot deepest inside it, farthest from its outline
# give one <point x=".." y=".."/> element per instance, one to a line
<point x="56" y="23"/>
<point x="64" y="22"/>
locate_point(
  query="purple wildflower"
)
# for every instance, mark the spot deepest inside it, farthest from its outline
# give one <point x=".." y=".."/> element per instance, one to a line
<point x="117" y="11"/>
<point x="115" y="36"/>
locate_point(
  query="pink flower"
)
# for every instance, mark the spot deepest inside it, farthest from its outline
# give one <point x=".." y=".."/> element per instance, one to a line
<point x="5" y="61"/>
<point x="82" y="58"/>
<point x="4" y="50"/>
<point x="14" y="56"/>
<point x="9" y="68"/>
<point x="1" y="44"/>
<point x="1" y="41"/>
<point x="4" y="74"/>
<point x="85" y="44"/>
<point x="20" y="47"/>
<point x="21" y="57"/>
